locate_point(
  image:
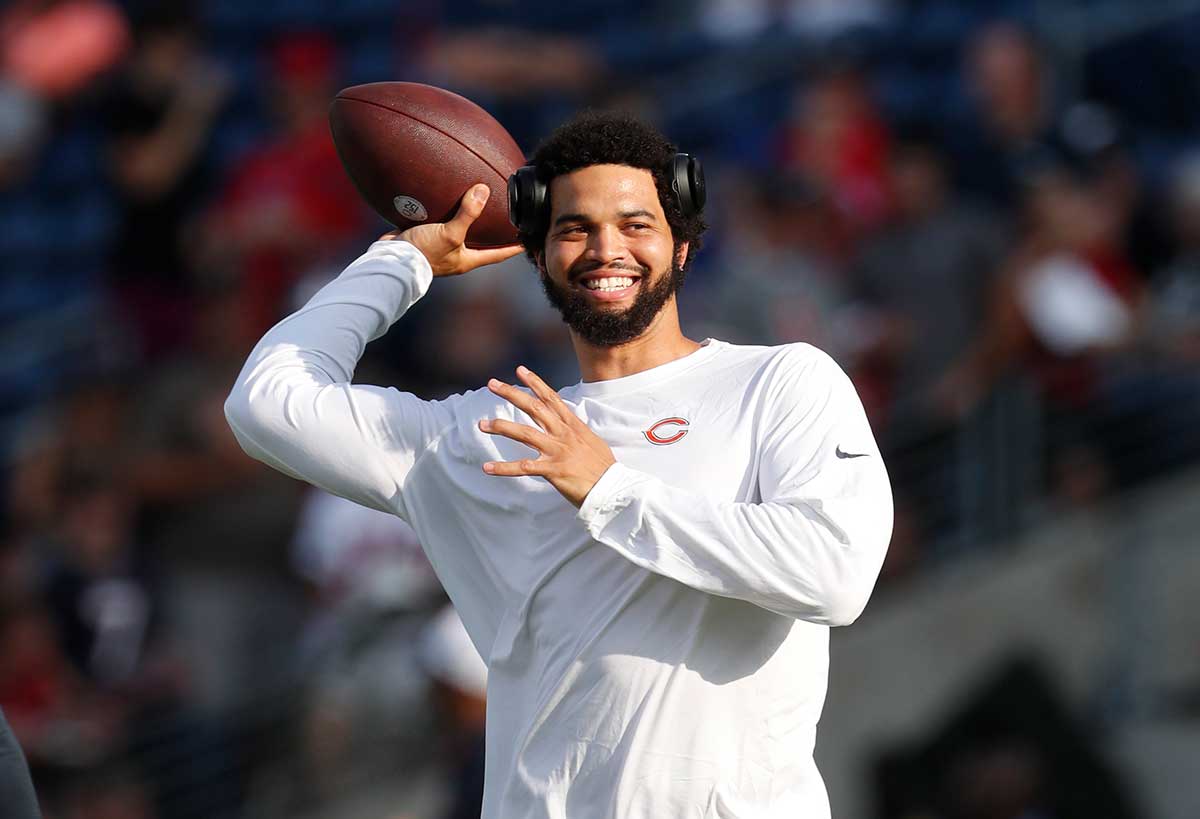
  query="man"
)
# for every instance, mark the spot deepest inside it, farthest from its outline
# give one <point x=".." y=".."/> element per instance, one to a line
<point x="650" y="559"/>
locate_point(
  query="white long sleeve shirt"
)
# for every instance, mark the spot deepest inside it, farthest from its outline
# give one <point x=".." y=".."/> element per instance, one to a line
<point x="661" y="651"/>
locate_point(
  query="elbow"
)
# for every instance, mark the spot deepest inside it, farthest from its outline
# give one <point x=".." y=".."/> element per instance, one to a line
<point x="861" y="570"/>
<point x="838" y="604"/>
<point x="846" y="601"/>
<point x="244" y="416"/>
<point x="845" y="606"/>
<point x="237" y="408"/>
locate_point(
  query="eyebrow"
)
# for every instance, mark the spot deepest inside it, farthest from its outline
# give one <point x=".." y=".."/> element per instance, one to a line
<point x="627" y="214"/>
<point x="630" y="214"/>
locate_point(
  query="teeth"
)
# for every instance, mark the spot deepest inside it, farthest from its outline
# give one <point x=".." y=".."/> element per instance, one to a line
<point x="609" y="283"/>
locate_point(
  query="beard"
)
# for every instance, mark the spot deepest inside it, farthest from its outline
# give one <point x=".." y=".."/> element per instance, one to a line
<point x="602" y="327"/>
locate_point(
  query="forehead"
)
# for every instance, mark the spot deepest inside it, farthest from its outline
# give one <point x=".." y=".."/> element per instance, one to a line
<point x="599" y="190"/>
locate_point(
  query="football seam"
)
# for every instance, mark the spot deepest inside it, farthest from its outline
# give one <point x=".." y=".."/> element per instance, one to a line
<point x="435" y="128"/>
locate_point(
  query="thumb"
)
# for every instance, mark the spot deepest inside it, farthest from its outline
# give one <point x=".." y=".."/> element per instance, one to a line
<point x="468" y="211"/>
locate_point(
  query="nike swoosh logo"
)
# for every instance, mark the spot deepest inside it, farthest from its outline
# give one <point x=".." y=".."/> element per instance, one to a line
<point x="841" y="454"/>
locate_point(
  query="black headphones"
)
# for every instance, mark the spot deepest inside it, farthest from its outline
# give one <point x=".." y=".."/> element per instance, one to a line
<point x="529" y="197"/>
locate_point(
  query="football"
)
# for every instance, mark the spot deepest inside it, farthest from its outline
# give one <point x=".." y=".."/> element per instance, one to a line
<point x="413" y="150"/>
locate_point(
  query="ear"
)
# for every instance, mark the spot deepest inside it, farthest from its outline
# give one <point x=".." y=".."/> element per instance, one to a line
<point x="539" y="261"/>
<point x="681" y="254"/>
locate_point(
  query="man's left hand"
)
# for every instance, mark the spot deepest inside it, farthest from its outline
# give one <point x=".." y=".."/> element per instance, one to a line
<point x="570" y="456"/>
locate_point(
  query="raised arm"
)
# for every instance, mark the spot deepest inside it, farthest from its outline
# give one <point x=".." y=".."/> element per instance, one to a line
<point x="293" y="406"/>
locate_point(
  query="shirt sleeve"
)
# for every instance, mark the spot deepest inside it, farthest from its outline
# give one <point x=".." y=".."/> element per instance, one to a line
<point x="811" y="549"/>
<point x="293" y="406"/>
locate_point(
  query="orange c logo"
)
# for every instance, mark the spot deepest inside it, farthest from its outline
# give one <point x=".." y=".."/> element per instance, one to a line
<point x="653" y="437"/>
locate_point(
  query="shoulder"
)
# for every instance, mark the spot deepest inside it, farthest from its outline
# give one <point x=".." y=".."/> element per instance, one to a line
<point x="785" y="378"/>
<point x="798" y="381"/>
<point x="785" y="362"/>
<point x="774" y="370"/>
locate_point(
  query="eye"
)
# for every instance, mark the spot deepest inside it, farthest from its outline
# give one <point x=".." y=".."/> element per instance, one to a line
<point x="637" y="226"/>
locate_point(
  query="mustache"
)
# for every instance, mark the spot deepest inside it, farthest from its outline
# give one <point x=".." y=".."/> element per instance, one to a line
<point x="582" y="268"/>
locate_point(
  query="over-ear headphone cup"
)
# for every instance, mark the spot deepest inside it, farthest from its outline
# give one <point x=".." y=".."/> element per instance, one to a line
<point x="526" y="200"/>
<point x="514" y="201"/>
<point x="687" y="181"/>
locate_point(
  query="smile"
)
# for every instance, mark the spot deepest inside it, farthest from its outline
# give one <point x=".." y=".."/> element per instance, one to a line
<point x="609" y="283"/>
<point x="608" y="287"/>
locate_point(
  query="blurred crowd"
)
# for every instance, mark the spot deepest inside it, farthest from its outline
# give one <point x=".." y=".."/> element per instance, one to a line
<point x="999" y="240"/>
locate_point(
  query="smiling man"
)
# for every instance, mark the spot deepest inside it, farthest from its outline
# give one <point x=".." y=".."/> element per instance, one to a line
<point x="649" y="560"/>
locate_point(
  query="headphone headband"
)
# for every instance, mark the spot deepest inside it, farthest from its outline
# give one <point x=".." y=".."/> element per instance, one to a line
<point x="529" y="196"/>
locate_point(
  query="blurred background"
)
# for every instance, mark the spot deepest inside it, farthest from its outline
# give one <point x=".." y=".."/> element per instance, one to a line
<point x="988" y="212"/>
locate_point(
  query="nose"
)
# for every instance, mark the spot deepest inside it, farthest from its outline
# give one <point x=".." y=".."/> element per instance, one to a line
<point x="605" y="245"/>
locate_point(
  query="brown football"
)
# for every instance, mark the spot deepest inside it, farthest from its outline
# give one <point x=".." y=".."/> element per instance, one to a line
<point x="413" y="150"/>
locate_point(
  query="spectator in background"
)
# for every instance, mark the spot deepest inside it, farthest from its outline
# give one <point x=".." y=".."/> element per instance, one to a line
<point x="62" y="723"/>
<point x="1070" y="290"/>
<point x="922" y="284"/>
<point x="1067" y="309"/>
<point x="57" y="48"/>
<point x="107" y="600"/>
<point x="1013" y="110"/>
<point x="102" y="592"/>
<point x="925" y="279"/>
<point x="1075" y="288"/>
<point x="836" y="137"/>
<point x="161" y="112"/>
<point x="183" y="461"/>
<point x="1148" y="400"/>
<point x="221" y="521"/>
<point x="288" y="206"/>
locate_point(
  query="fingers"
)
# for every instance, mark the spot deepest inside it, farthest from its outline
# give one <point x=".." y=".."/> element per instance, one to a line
<point x="532" y="405"/>
<point x="521" y="433"/>
<point x="515" y="469"/>
<point x="468" y="211"/>
<point x="545" y="393"/>
<point x="534" y="438"/>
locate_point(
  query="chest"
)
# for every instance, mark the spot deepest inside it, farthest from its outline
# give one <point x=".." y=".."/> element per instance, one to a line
<point x="522" y="530"/>
<point x="702" y="442"/>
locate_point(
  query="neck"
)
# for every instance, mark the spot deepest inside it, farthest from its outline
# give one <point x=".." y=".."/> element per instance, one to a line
<point x="662" y="342"/>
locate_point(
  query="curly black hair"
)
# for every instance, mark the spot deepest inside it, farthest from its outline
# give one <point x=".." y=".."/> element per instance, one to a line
<point x="604" y="138"/>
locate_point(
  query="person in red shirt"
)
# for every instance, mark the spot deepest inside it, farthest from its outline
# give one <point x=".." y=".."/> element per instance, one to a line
<point x="288" y="206"/>
<point x="837" y="137"/>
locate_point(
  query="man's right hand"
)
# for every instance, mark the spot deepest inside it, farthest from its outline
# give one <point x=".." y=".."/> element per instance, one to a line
<point x="444" y="243"/>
